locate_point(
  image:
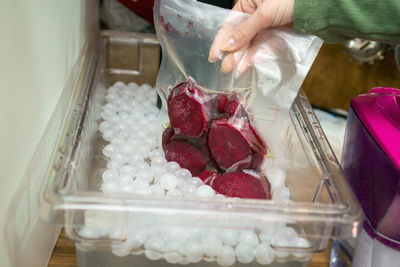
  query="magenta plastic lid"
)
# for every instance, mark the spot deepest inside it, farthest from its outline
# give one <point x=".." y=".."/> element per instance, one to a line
<point x="379" y="111"/>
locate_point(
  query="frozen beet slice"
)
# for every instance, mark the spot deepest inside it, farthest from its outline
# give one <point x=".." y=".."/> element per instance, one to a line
<point x="208" y="176"/>
<point x="187" y="156"/>
<point x="222" y="99"/>
<point x="256" y="161"/>
<point x="229" y="104"/>
<point x="189" y="109"/>
<point x="243" y="185"/>
<point x="232" y="141"/>
<point x="260" y="144"/>
<point x="167" y="136"/>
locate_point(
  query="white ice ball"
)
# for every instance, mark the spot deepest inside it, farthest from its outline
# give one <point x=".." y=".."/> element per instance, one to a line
<point x="264" y="254"/>
<point x="127" y="188"/>
<point x="119" y="84"/>
<point x="130" y="122"/>
<point x="133" y="86"/>
<point x="144" y="150"/>
<point x="173" y="252"/>
<point x="114" y="165"/>
<point x="183" y="173"/>
<point x="140" y="98"/>
<point x="140" y="184"/>
<point x="151" y="142"/>
<point x="127" y="169"/>
<point x="111" y="96"/>
<point x="211" y="245"/>
<point x="230" y="237"/>
<point x="205" y="191"/>
<point x="195" y="181"/>
<point x="175" y="193"/>
<point x="135" y="158"/>
<point x="158" y="171"/>
<point x="125" y="135"/>
<point x="249" y="236"/>
<point x="219" y="196"/>
<point x="155" y="244"/>
<point x="105" y="125"/>
<point x="245" y="252"/>
<point x="300" y="242"/>
<point x="156" y="153"/>
<point x="146" y="87"/>
<point x="109" y="175"/>
<point x="172" y="166"/>
<point x="110" y="150"/>
<point x="143" y="191"/>
<point x="157" y="190"/>
<point x="281" y="242"/>
<point x="146" y="103"/>
<point x="152" y="110"/>
<point x="124" y="179"/>
<point x="117" y="141"/>
<point x="121" y="249"/>
<point x="137" y="238"/>
<point x="127" y="149"/>
<point x="153" y="255"/>
<point x="168" y="181"/>
<point x="288" y="233"/>
<point x="193" y="251"/>
<point x="145" y="175"/>
<point x="134" y="142"/>
<point x="89" y="232"/>
<point x="110" y="187"/>
<point x="119" y="157"/>
<point x="226" y="256"/>
<point x="159" y="160"/>
<point x="189" y="190"/>
<point x="122" y="127"/>
<point x="109" y="134"/>
<point x="142" y="166"/>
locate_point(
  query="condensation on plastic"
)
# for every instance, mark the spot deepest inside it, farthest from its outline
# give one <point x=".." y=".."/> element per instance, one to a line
<point x="117" y="17"/>
<point x="281" y="60"/>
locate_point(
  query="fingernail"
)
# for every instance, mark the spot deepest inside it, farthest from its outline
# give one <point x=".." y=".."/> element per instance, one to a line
<point x="242" y="67"/>
<point x="227" y="63"/>
<point x="237" y="56"/>
<point x="216" y="57"/>
<point x="228" y="45"/>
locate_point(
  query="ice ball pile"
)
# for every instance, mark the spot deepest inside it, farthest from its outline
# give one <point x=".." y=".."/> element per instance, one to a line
<point x="136" y="164"/>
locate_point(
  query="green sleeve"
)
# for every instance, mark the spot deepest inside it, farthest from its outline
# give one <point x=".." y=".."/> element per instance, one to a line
<point x="341" y="20"/>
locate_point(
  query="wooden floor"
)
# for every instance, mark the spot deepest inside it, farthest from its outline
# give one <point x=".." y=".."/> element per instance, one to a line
<point x="332" y="81"/>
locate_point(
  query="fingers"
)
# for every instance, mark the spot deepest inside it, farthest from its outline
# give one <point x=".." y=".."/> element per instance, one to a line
<point x="232" y="59"/>
<point x="238" y="30"/>
<point x="227" y="28"/>
<point x="243" y="34"/>
<point x="255" y="53"/>
<point x="216" y="53"/>
<point x="243" y="65"/>
<point x="269" y="14"/>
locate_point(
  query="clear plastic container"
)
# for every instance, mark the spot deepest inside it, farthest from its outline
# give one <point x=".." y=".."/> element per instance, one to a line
<point x="321" y="205"/>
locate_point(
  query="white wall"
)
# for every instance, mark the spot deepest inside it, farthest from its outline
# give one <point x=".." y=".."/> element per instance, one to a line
<point x="40" y="42"/>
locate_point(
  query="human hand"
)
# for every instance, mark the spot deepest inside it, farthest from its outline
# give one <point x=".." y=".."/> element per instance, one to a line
<point x="235" y="41"/>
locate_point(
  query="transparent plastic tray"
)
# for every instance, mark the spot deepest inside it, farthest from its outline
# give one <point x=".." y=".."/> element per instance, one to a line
<point x="321" y="204"/>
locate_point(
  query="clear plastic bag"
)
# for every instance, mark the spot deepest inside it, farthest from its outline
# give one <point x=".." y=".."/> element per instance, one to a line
<point x="266" y="91"/>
